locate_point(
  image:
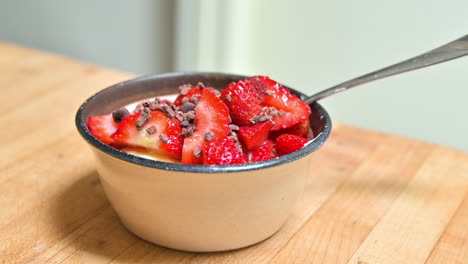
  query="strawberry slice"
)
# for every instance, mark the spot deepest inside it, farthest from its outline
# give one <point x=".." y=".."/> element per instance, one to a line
<point x="160" y="133"/>
<point x="187" y="92"/>
<point x="265" y="152"/>
<point x="288" y="143"/>
<point x="192" y="149"/>
<point x="222" y="151"/>
<point x="254" y="136"/>
<point x="103" y="127"/>
<point x="291" y="109"/>
<point x="244" y="99"/>
<point x="257" y="99"/>
<point x="211" y="117"/>
<point x="301" y="129"/>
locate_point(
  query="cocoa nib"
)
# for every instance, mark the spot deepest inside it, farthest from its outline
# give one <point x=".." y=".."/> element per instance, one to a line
<point x="141" y="106"/>
<point x="273" y="111"/>
<point x="260" y="119"/>
<point x="189" y="116"/>
<point x="195" y="99"/>
<point x="234" y="127"/>
<point x="216" y="92"/>
<point x="185" y="123"/>
<point x="120" y="114"/>
<point x="164" y="138"/>
<point x="267" y="114"/>
<point x="209" y="136"/>
<point x="151" y="130"/>
<point x="184" y="89"/>
<point x="188" y="131"/>
<point x="187" y="107"/>
<point x="179" y="117"/>
<point x="233" y="135"/>
<point x="168" y="110"/>
<point x="155" y="105"/>
<point x="143" y="118"/>
<point x="197" y="152"/>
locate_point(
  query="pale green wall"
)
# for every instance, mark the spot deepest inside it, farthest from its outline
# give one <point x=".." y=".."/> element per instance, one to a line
<point x="309" y="45"/>
<point x="312" y="45"/>
<point x="134" y="36"/>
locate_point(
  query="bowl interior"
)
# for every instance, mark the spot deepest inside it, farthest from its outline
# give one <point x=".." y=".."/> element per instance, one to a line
<point x="121" y="94"/>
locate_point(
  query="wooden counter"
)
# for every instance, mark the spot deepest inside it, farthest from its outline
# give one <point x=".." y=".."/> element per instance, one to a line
<point x="371" y="197"/>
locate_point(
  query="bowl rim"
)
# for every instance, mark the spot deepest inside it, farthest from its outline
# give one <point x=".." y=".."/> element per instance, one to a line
<point x="311" y="146"/>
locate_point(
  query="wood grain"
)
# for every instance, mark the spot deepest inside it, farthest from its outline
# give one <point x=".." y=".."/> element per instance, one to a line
<point x="452" y="246"/>
<point x="370" y="198"/>
<point x="415" y="221"/>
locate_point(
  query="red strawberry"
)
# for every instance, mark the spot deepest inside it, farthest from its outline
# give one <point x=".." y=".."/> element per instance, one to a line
<point x="254" y="136"/>
<point x="103" y="127"/>
<point x="288" y="143"/>
<point x="292" y="109"/>
<point x="300" y="129"/>
<point x="161" y="133"/>
<point x="222" y="151"/>
<point x="260" y="96"/>
<point x="265" y="152"/>
<point x="244" y="99"/>
<point x="192" y="149"/>
<point x="194" y="91"/>
<point x="211" y="116"/>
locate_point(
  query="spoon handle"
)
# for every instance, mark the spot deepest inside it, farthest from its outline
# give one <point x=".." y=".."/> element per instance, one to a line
<point x="449" y="51"/>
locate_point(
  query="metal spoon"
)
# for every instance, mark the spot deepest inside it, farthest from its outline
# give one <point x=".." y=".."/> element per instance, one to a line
<point x="449" y="51"/>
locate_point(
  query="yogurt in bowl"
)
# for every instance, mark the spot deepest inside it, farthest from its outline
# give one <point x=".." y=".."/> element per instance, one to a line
<point x="196" y="207"/>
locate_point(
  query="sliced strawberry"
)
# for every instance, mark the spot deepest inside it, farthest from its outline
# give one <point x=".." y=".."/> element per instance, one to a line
<point x="288" y="143"/>
<point x="194" y="91"/>
<point x="103" y="127"/>
<point x="254" y="136"/>
<point x="244" y="99"/>
<point x="222" y="151"/>
<point x="300" y="129"/>
<point x="192" y="149"/>
<point x="256" y="97"/>
<point x="292" y="110"/>
<point x="211" y="116"/>
<point x="265" y="152"/>
<point x="166" y="136"/>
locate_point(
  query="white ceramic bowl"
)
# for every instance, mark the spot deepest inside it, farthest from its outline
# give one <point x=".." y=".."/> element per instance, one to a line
<point x="194" y="207"/>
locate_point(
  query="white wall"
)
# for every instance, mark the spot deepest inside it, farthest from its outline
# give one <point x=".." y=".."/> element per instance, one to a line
<point x="134" y="36"/>
<point x="312" y="45"/>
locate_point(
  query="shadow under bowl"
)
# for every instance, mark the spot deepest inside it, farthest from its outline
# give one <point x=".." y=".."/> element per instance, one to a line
<point x="195" y="207"/>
